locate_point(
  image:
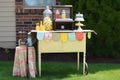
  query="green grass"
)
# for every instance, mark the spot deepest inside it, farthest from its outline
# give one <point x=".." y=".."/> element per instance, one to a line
<point x="66" y="71"/>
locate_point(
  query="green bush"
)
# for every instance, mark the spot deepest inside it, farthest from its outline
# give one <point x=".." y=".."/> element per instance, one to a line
<point x="103" y="16"/>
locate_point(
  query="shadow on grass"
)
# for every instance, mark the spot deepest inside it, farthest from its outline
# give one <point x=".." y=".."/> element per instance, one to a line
<point x="50" y="71"/>
<point x="59" y="71"/>
<point x="56" y="70"/>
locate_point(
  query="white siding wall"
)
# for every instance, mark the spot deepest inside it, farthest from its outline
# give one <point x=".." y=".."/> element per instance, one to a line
<point x="7" y="24"/>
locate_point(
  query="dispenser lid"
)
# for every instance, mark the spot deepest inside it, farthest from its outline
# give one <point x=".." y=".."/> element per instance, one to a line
<point x="79" y="17"/>
<point x="47" y="10"/>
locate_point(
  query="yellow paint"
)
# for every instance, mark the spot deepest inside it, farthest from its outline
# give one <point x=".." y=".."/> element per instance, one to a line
<point x="58" y="46"/>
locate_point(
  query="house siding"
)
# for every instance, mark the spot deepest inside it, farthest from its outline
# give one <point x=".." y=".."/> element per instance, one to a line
<point x="13" y="18"/>
<point x="7" y="24"/>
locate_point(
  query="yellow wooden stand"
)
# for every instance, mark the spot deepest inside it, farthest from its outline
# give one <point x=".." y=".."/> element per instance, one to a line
<point x="63" y="47"/>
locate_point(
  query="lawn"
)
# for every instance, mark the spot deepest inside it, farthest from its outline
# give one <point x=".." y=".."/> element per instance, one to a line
<point x="66" y="71"/>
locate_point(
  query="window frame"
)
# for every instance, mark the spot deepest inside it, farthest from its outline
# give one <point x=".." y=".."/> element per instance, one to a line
<point x="38" y="7"/>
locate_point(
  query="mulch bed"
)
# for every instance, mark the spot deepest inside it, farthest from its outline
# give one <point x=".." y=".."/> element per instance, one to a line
<point x="6" y="54"/>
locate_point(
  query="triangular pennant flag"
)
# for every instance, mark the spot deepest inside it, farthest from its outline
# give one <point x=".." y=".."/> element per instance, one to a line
<point x="89" y="35"/>
<point x="56" y="36"/>
<point x="40" y="35"/>
<point x="64" y="37"/>
<point x="79" y="36"/>
<point x="48" y="36"/>
<point x="71" y="36"/>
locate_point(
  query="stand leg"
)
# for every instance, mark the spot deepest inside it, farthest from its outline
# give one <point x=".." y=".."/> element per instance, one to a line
<point x="39" y="63"/>
<point x="84" y="60"/>
<point x="39" y="60"/>
<point x="78" y="61"/>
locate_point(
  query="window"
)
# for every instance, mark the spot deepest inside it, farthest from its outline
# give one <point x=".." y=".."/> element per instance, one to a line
<point x="38" y="3"/>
